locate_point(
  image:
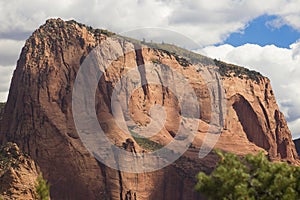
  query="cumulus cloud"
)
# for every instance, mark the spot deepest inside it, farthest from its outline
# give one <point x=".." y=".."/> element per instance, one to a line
<point x="290" y="12"/>
<point x="295" y="127"/>
<point x="281" y="65"/>
<point x="207" y="22"/>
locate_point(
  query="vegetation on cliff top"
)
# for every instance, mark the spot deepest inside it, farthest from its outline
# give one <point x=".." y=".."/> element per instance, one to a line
<point x="186" y="58"/>
<point x="180" y="54"/>
<point x="91" y="29"/>
<point x="183" y="56"/>
<point x="230" y="70"/>
<point x="251" y="177"/>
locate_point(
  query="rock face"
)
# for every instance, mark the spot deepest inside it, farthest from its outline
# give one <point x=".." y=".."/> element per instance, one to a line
<point x="18" y="174"/>
<point x="2" y="105"/>
<point x="38" y="115"/>
<point x="297" y="144"/>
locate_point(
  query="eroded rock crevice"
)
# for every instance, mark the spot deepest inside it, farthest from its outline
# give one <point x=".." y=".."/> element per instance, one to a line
<point x="142" y="69"/>
<point x="283" y="137"/>
<point x="250" y="122"/>
<point x="130" y="195"/>
<point x="265" y="114"/>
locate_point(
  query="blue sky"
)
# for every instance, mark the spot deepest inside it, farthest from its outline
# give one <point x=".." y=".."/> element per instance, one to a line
<point x="259" y="31"/>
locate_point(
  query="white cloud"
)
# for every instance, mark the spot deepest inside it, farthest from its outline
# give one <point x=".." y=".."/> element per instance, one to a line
<point x="9" y="51"/>
<point x="276" y="23"/>
<point x="290" y="12"/>
<point x="6" y="75"/>
<point x="207" y="22"/>
<point x="281" y="65"/>
<point x="296" y="49"/>
<point x="295" y="127"/>
<point x="3" y="96"/>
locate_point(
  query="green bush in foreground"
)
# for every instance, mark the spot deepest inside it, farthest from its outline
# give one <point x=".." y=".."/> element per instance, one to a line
<point x="42" y="188"/>
<point x="251" y="177"/>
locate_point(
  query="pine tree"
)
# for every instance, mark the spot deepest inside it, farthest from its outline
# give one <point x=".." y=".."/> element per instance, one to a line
<point x="251" y="177"/>
<point x="42" y="188"/>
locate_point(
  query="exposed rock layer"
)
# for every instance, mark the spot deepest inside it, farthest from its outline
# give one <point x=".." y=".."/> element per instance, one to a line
<point x="38" y="116"/>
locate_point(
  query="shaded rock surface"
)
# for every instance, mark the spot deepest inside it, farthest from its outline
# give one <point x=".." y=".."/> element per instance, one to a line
<point x="2" y="105"/>
<point x="297" y="144"/>
<point x="18" y="174"/>
<point x="38" y="116"/>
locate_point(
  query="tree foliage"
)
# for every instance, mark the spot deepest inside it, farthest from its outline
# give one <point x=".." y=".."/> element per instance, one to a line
<point x="250" y="177"/>
<point x="42" y="188"/>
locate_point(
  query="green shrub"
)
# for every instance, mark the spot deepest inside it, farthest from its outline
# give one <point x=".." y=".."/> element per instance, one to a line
<point x="42" y="188"/>
<point x="146" y="143"/>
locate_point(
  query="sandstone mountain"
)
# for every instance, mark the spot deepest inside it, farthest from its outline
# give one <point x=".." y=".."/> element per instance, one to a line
<point x="38" y="115"/>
